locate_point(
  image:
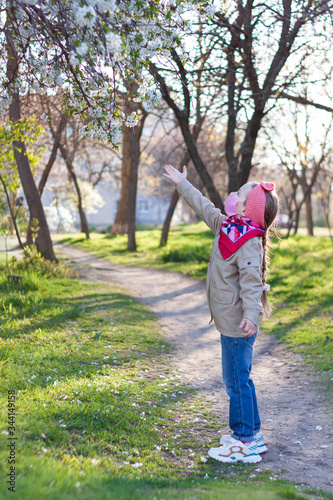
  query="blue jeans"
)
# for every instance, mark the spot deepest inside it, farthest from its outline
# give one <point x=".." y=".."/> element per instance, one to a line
<point x="237" y="354"/>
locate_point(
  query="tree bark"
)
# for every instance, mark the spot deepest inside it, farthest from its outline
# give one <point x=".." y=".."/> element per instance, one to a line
<point x="308" y="212"/>
<point x="83" y="218"/>
<point x="132" y="155"/>
<point x="175" y="196"/>
<point x="168" y="218"/>
<point x="126" y="211"/>
<point x="120" y="225"/>
<point x="69" y="164"/>
<point x="43" y="240"/>
<point x="53" y="156"/>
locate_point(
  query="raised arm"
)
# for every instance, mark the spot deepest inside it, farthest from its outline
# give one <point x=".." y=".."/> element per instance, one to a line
<point x="204" y="208"/>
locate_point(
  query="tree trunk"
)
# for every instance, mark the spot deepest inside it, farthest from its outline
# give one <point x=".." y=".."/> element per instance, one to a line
<point x="68" y="159"/>
<point x="199" y="164"/>
<point x="168" y="218"/>
<point x="69" y="165"/>
<point x="132" y="156"/>
<point x="297" y="213"/>
<point x="308" y="212"/>
<point x="43" y="241"/>
<point x="126" y="211"/>
<point x="83" y="218"/>
<point x="53" y="156"/>
<point x="120" y="225"/>
<point x="175" y="197"/>
<point x="247" y="150"/>
<point x="29" y="238"/>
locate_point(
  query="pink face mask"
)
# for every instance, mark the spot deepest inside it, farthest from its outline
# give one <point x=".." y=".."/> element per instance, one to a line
<point x="230" y="205"/>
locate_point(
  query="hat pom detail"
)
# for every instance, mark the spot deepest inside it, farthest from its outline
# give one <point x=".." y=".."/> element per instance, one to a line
<point x="267" y="186"/>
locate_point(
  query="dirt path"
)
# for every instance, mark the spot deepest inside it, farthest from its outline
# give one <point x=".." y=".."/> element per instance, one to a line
<point x="294" y="407"/>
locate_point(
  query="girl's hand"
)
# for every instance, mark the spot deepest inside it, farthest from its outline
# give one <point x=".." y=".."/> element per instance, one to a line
<point x="248" y="327"/>
<point x="173" y="174"/>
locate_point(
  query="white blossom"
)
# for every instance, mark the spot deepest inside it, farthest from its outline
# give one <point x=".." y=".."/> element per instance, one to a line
<point x="82" y="49"/>
<point x="131" y="34"/>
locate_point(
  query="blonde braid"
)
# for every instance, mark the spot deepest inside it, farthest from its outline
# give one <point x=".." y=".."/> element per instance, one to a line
<point x="265" y="261"/>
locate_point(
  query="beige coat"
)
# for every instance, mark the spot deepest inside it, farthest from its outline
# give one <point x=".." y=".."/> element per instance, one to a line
<point x="234" y="285"/>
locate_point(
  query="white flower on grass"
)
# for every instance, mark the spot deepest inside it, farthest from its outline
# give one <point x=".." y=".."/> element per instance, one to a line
<point x="203" y="459"/>
<point x="45" y="450"/>
<point x="136" y="466"/>
<point x="94" y="461"/>
<point x="4" y="432"/>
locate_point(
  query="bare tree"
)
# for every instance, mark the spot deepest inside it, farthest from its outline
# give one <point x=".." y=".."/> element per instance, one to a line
<point x="248" y="46"/>
<point x="301" y="162"/>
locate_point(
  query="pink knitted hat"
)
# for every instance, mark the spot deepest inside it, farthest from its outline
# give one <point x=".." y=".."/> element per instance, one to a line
<point x="256" y="202"/>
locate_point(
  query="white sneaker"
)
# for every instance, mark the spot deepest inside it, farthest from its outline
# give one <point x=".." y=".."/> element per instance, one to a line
<point x="258" y="445"/>
<point x="234" y="451"/>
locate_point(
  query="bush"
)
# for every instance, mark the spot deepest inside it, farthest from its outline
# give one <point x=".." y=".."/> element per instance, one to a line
<point x="185" y="254"/>
<point x="34" y="263"/>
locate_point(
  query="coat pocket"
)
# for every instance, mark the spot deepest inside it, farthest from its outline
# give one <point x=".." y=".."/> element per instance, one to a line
<point x="249" y="262"/>
<point x="221" y="296"/>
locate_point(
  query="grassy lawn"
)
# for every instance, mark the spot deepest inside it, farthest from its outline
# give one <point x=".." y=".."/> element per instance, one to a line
<point x="98" y="410"/>
<point x="301" y="279"/>
<point x="188" y="248"/>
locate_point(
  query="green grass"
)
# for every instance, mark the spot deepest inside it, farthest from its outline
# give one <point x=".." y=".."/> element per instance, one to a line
<point x="188" y="248"/>
<point x="301" y="281"/>
<point x="301" y="277"/>
<point x="99" y="410"/>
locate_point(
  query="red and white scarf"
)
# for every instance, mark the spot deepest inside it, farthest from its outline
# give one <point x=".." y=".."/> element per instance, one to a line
<point x="234" y="232"/>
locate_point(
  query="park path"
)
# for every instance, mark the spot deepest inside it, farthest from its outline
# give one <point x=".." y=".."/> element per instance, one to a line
<point x="294" y="401"/>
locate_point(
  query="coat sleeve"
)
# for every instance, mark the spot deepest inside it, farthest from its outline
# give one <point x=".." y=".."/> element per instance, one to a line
<point x="249" y="265"/>
<point x="204" y="208"/>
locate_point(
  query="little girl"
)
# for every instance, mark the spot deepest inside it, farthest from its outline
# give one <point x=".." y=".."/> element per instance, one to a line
<point x="236" y="294"/>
